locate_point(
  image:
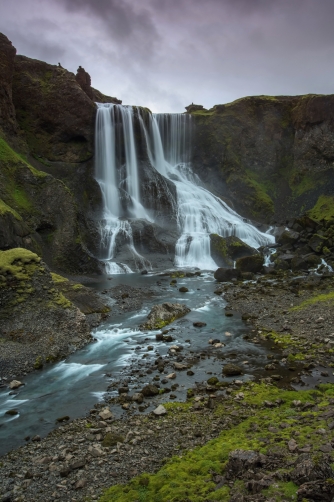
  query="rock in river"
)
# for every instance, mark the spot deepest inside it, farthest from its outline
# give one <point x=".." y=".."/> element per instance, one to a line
<point x="232" y="370"/>
<point x="164" y="314"/>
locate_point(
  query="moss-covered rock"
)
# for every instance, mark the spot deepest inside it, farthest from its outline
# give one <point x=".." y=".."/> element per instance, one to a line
<point x="35" y="315"/>
<point x="163" y="314"/>
<point x="225" y="250"/>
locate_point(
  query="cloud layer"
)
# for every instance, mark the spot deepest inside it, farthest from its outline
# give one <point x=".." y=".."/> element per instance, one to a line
<point x="165" y="54"/>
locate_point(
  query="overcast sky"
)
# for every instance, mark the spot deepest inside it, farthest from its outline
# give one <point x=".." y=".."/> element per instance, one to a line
<point x="165" y="54"/>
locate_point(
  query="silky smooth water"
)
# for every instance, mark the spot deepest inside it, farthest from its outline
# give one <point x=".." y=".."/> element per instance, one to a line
<point x="71" y="387"/>
<point x="167" y="138"/>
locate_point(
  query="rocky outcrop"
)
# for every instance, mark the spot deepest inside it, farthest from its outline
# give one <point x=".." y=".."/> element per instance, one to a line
<point x="84" y="80"/>
<point x="38" y="323"/>
<point x="39" y="212"/>
<point x="225" y="250"/>
<point x="164" y="314"/>
<point x="271" y="156"/>
<point x="7" y="110"/>
<point x="56" y="115"/>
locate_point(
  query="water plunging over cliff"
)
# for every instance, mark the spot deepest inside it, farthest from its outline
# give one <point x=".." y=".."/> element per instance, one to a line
<point x="168" y="142"/>
<point x="200" y="213"/>
<point x="117" y="175"/>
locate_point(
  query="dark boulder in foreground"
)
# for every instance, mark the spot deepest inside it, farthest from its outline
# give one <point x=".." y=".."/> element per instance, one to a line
<point x="226" y="274"/>
<point x="252" y="264"/>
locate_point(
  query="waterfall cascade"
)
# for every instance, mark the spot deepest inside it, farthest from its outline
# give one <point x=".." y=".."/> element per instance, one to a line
<point x="199" y="212"/>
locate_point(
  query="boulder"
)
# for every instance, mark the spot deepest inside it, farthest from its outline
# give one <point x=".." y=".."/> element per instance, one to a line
<point x="160" y="410"/>
<point x="138" y="397"/>
<point x="164" y="314"/>
<point x="308" y="468"/>
<point x="150" y="390"/>
<point x="317" y="242"/>
<point x="252" y="264"/>
<point x="225" y="250"/>
<point x="305" y="262"/>
<point x="240" y="461"/>
<point x="15" y="384"/>
<point x="226" y="274"/>
<point x="105" y="414"/>
<point x="288" y="237"/>
<point x="232" y="370"/>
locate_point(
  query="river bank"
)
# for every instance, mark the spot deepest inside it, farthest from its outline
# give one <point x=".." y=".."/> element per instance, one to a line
<point x="83" y="457"/>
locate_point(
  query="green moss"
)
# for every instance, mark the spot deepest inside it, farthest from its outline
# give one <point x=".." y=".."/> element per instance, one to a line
<point x="60" y="300"/>
<point x="111" y="439"/>
<point x="77" y="287"/>
<point x="19" y="263"/>
<point x="58" y="278"/>
<point x="325" y="297"/>
<point x="160" y="323"/>
<point x="4" y="208"/>
<point x="188" y="477"/>
<point x="323" y="209"/>
<point x="38" y="365"/>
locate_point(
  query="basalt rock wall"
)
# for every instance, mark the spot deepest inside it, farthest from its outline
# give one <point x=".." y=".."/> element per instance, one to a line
<point x="48" y="196"/>
<point x="270" y="157"/>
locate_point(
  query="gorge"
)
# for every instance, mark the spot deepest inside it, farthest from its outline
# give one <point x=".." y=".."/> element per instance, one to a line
<point x="214" y="225"/>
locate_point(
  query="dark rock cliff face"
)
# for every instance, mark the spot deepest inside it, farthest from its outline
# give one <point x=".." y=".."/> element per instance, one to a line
<point x="7" y="110"/>
<point x="47" y="193"/>
<point x="271" y="157"/>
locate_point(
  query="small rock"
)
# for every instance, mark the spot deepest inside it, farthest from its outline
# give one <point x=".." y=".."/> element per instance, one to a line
<point x="292" y="445"/>
<point x="15" y="384"/>
<point x="81" y="483"/>
<point x="160" y="410"/>
<point x="105" y="414"/>
<point x="199" y="324"/>
<point x="138" y="397"/>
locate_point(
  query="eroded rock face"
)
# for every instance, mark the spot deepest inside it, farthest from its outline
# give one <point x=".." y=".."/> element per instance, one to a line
<point x="38" y="322"/>
<point x="164" y="314"/>
<point x="271" y="156"/>
<point x="7" y="110"/>
<point x="55" y="113"/>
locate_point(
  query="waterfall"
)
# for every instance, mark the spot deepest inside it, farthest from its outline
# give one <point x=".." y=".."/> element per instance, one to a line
<point x="120" y="188"/>
<point x="199" y="213"/>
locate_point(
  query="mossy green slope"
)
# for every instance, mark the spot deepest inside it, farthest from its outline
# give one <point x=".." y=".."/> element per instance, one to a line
<point x="189" y="477"/>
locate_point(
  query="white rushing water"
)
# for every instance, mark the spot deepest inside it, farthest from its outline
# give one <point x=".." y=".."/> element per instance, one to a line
<point x="116" y="184"/>
<point x="199" y="212"/>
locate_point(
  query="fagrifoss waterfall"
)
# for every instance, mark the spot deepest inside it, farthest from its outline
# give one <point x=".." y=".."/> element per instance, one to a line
<point x="166" y="139"/>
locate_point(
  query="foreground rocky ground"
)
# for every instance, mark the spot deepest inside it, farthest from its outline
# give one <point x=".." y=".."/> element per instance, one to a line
<point x="265" y="443"/>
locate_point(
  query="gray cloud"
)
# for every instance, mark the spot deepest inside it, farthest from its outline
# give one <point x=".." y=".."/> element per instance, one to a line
<point x="167" y="53"/>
